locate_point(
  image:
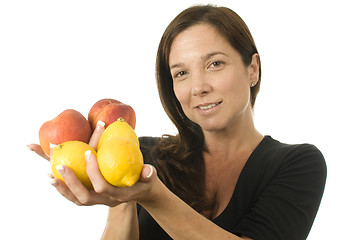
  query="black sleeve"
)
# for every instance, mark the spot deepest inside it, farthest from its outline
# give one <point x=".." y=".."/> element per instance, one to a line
<point x="146" y="145"/>
<point x="287" y="206"/>
<point x="148" y="227"/>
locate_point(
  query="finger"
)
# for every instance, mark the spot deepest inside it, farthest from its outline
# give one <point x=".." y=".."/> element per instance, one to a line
<point x="51" y="175"/>
<point x="99" y="129"/>
<point x="64" y="190"/>
<point x="148" y="173"/>
<point x="81" y="193"/>
<point x="100" y="185"/>
<point x="51" y="148"/>
<point x="38" y="150"/>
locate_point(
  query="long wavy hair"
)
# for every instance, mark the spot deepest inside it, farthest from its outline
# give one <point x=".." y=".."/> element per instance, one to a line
<point x="180" y="162"/>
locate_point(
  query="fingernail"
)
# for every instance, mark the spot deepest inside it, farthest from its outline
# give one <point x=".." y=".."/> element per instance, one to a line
<point x="52" y="181"/>
<point x="51" y="146"/>
<point x="60" y="169"/>
<point x="50" y="175"/>
<point x="151" y="172"/>
<point x="28" y="146"/>
<point x="100" y="124"/>
<point x="87" y="154"/>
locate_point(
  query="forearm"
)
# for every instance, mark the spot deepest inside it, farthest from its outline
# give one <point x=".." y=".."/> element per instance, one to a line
<point x="179" y="220"/>
<point x="122" y="223"/>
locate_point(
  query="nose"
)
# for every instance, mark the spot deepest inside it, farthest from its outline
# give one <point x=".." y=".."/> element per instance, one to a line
<point x="200" y="85"/>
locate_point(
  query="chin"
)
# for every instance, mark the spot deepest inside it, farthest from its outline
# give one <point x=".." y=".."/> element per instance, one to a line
<point x="212" y="126"/>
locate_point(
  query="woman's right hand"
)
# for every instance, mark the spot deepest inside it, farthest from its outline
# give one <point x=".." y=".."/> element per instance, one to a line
<point x="124" y="215"/>
<point x="102" y="192"/>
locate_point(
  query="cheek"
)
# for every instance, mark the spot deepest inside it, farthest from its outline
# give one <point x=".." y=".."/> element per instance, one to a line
<point x="237" y="89"/>
<point x="233" y="84"/>
<point x="180" y="93"/>
<point x="183" y="97"/>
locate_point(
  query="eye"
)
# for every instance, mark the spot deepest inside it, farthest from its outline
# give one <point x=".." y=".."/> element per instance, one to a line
<point x="179" y="74"/>
<point x="216" y="64"/>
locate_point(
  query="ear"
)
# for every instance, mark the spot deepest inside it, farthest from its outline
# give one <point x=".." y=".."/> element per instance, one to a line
<point x="253" y="69"/>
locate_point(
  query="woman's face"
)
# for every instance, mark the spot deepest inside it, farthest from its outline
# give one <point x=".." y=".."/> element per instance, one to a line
<point x="210" y="79"/>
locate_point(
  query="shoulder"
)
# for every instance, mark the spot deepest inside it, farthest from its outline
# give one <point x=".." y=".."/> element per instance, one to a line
<point x="285" y="164"/>
<point x="286" y="181"/>
<point x="284" y="155"/>
<point x="296" y="166"/>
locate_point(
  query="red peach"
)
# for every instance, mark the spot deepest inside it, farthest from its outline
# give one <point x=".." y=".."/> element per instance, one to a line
<point x="109" y="110"/>
<point x="70" y="125"/>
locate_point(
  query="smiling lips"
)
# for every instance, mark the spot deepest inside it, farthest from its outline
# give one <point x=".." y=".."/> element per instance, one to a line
<point x="208" y="106"/>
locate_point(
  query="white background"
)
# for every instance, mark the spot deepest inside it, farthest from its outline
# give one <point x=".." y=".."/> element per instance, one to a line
<point x="56" y="55"/>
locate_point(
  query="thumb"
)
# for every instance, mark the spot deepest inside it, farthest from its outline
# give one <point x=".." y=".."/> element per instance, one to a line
<point x="148" y="173"/>
<point x="92" y="169"/>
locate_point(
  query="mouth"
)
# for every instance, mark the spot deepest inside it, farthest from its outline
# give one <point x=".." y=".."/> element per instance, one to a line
<point x="208" y="105"/>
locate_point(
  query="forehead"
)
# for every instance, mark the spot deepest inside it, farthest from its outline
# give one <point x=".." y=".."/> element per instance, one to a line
<point x="198" y="39"/>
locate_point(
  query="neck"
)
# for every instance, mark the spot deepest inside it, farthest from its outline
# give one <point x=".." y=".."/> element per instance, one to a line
<point x="226" y="155"/>
<point x="239" y="137"/>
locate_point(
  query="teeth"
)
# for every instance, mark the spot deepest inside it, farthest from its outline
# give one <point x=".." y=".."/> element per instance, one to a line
<point x="208" y="106"/>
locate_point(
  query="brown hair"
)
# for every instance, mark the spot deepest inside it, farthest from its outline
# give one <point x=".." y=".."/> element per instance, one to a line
<point x="180" y="158"/>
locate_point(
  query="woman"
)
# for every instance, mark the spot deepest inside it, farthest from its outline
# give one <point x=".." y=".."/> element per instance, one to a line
<point x="219" y="178"/>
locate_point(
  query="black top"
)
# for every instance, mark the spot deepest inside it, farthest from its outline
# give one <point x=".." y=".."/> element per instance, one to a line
<point x="277" y="194"/>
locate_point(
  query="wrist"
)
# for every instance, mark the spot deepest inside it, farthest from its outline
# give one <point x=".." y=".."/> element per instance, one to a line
<point x="155" y="195"/>
<point x="127" y="206"/>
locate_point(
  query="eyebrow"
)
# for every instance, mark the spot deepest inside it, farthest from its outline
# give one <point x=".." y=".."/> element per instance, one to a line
<point x="206" y="56"/>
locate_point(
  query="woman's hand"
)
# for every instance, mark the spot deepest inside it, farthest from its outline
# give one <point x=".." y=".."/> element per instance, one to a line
<point x="103" y="192"/>
<point x="38" y="150"/>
